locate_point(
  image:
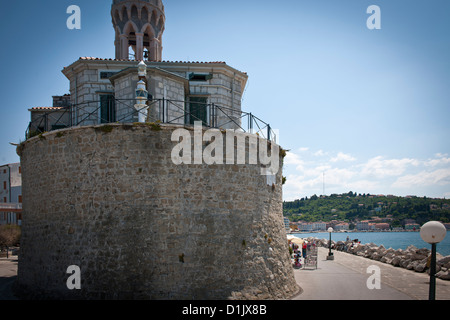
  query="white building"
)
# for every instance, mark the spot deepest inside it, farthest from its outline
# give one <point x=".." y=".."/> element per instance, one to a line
<point x="341" y="226"/>
<point x="10" y="194"/>
<point x="312" y="226"/>
<point x="319" y="226"/>
<point x="286" y="225"/>
<point x="362" y="225"/>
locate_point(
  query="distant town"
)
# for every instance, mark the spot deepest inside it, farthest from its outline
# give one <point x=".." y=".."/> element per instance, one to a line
<point x="364" y="212"/>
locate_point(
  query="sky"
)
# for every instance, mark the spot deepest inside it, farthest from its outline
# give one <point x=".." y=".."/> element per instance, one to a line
<point x="359" y="109"/>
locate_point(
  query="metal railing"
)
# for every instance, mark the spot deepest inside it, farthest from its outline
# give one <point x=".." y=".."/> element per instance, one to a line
<point x="10" y="207"/>
<point x="160" y="110"/>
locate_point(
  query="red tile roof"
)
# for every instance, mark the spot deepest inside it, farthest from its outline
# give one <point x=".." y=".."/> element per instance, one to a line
<point x="46" y="108"/>
<point x="165" y="61"/>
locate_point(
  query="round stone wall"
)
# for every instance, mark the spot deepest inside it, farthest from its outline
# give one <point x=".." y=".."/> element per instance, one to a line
<point x="109" y="200"/>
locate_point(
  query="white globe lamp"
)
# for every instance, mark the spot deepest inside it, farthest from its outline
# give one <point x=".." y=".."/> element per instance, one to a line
<point x="433" y="232"/>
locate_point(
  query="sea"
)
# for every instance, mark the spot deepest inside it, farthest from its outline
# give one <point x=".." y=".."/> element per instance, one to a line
<point x="394" y="240"/>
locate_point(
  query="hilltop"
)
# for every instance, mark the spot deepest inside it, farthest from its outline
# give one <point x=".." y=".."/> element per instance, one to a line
<point x="352" y="207"/>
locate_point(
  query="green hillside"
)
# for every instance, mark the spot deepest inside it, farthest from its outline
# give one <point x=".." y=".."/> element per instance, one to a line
<point x="351" y="206"/>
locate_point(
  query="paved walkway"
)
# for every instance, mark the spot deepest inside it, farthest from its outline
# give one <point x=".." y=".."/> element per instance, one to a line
<point x="345" y="278"/>
<point x="8" y="275"/>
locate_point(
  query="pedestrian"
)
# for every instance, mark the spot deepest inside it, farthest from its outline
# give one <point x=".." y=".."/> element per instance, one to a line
<point x="304" y="249"/>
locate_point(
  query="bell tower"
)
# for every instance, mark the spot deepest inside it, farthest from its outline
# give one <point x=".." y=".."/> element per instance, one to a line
<point x="139" y="26"/>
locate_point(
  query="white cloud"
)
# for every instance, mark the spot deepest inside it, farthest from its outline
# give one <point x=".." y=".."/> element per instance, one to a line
<point x="308" y="170"/>
<point x="294" y="159"/>
<point x="339" y="176"/>
<point x="441" y="155"/>
<point x="364" y="186"/>
<point x="318" y="170"/>
<point x="378" y="167"/>
<point x="424" y="178"/>
<point x="342" y="157"/>
<point x="320" y="153"/>
<point x="437" y="162"/>
<point x="296" y="186"/>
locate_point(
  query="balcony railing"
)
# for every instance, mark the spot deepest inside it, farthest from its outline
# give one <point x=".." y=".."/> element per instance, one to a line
<point x="160" y="110"/>
<point x="10" y="207"/>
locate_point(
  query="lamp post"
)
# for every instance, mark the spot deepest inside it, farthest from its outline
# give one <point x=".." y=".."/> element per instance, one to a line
<point x="141" y="93"/>
<point x="330" y="254"/>
<point x="433" y="232"/>
<point x="141" y="98"/>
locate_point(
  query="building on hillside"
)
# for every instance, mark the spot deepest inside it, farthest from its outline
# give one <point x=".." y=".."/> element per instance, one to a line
<point x="319" y="226"/>
<point x="344" y="226"/>
<point x="412" y="226"/>
<point x="286" y="225"/>
<point x="408" y="221"/>
<point x="362" y="225"/>
<point x="305" y="227"/>
<point x="382" y="226"/>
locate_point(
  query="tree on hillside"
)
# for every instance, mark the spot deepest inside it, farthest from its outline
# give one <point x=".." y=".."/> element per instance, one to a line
<point x="351" y="207"/>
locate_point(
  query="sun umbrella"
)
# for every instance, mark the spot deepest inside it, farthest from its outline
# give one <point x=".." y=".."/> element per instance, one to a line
<point x="297" y="241"/>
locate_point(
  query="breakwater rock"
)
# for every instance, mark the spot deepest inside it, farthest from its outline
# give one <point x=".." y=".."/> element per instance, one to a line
<point x="411" y="258"/>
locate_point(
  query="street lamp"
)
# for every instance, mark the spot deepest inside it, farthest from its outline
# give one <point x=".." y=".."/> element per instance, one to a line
<point x="141" y="98"/>
<point x="141" y="93"/>
<point x="330" y="254"/>
<point x="433" y="232"/>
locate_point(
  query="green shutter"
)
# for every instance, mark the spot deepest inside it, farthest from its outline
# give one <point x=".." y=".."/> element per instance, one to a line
<point x="197" y="109"/>
<point x="107" y="108"/>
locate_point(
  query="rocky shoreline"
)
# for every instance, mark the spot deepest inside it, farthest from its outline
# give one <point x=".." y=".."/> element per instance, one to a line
<point x="410" y="258"/>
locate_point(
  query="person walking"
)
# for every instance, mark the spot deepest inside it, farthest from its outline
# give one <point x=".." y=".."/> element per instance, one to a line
<point x="304" y="249"/>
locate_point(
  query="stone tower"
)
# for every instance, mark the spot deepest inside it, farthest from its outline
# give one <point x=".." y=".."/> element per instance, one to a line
<point x="139" y="24"/>
<point x="105" y="194"/>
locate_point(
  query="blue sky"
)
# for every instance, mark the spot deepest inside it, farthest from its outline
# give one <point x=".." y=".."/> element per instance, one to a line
<point x="368" y="110"/>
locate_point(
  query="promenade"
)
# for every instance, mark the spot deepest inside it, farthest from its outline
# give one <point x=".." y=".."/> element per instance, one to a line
<point x="345" y="278"/>
<point x="8" y="274"/>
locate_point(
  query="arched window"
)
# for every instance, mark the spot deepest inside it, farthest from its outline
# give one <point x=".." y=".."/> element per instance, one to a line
<point x="130" y="31"/>
<point x="144" y="15"/>
<point x="124" y="13"/>
<point x="134" y="13"/>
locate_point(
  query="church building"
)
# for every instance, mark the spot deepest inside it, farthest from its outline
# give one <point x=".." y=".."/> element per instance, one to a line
<point x="103" y="90"/>
<point x="105" y="194"/>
